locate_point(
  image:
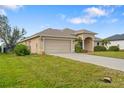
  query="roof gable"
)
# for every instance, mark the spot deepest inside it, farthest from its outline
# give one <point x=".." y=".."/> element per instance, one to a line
<point x="116" y="37"/>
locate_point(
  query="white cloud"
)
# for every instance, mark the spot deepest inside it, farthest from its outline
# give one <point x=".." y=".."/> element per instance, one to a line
<point x="93" y="11"/>
<point x="2" y="12"/>
<point x="76" y="20"/>
<point x="92" y="14"/>
<point x="83" y="20"/>
<point x="114" y="20"/>
<point x="12" y="7"/>
<point x="89" y="16"/>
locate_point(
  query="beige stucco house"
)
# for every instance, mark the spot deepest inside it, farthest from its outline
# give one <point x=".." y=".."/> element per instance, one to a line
<point x="59" y="41"/>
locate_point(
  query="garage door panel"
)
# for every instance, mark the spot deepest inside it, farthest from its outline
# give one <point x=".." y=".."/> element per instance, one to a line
<point x="57" y="46"/>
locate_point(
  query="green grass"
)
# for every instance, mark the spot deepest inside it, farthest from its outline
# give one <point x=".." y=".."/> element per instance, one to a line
<point x="119" y="54"/>
<point x="36" y="71"/>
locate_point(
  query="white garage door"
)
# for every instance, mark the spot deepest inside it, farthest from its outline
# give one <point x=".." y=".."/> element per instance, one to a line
<point x="57" y="46"/>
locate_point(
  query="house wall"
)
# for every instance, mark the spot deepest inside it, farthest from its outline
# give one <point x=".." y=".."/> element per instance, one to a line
<point x="95" y="43"/>
<point x="34" y="44"/>
<point x="119" y="43"/>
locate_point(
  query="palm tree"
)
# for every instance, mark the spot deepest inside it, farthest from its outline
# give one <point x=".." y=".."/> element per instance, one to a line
<point x="105" y="42"/>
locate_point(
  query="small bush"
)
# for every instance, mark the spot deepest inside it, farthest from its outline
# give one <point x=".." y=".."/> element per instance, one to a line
<point x="113" y="48"/>
<point x="100" y="48"/>
<point x="78" y="48"/>
<point x="21" y="50"/>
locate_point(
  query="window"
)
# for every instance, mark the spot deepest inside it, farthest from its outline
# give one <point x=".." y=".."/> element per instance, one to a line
<point x="97" y="43"/>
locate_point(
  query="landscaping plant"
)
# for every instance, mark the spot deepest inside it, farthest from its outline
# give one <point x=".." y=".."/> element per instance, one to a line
<point x="100" y="48"/>
<point x="105" y="42"/>
<point x="113" y="48"/>
<point x="78" y="48"/>
<point x="78" y="45"/>
<point x="21" y="50"/>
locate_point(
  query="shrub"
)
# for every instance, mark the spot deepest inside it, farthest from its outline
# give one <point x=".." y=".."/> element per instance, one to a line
<point x="113" y="48"/>
<point x="21" y="50"/>
<point x="100" y="48"/>
<point x="78" y="48"/>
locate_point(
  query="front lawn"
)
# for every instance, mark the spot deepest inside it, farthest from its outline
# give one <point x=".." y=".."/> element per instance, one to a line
<point x="116" y="54"/>
<point x="50" y="71"/>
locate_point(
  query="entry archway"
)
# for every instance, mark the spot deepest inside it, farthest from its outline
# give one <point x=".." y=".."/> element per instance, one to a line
<point x="88" y="44"/>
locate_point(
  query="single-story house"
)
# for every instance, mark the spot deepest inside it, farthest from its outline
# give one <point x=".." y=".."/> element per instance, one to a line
<point x="59" y="40"/>
<point x="117" y="40"/>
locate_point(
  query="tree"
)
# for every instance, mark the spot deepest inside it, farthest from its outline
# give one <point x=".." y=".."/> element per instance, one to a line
<point x="105" y="42"/>
<point x="8" y="34"/>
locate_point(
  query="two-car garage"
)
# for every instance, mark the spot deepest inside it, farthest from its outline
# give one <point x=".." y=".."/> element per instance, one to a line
<point x="57" y="46"/>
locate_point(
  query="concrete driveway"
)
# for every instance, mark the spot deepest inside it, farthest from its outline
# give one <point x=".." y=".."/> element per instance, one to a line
<point x="112" y="63"/>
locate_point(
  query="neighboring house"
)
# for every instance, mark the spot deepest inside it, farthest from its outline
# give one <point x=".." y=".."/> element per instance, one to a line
<point x="117" y="40"/>
<point x="97" y="41"/>
<point x="59" y="41"/>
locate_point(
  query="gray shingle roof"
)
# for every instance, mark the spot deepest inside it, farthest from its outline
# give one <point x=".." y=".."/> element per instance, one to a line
<point x="69" y="33"/>
<point x="84" y="31"/>
<point x="58" y="33"/>
<point x="116" y="37"/>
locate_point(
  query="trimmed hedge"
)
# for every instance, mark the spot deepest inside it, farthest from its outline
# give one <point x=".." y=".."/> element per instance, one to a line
<point x="21" y="50"/>
<point x="100" y="48"/>
<point x="113" y="48"/>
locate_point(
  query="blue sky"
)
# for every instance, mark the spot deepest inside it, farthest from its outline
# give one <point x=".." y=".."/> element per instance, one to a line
<point x="104" y="20"/>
